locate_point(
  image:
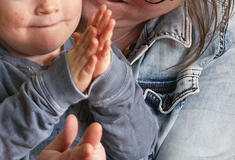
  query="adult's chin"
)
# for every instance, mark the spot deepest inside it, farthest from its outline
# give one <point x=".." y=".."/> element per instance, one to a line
<point x="89" y="7"/>
<point x="120" y="11"/>
<point x="118" y="7"/>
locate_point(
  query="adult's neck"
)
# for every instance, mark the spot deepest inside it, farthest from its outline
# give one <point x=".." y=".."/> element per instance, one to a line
<point x="123" y="36"/>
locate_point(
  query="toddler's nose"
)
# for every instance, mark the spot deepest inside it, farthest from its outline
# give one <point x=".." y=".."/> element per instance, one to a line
<point x="47" y="7"/>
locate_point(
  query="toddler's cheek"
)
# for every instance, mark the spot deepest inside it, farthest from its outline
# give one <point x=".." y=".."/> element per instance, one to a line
<point x="12" y="21"/>
<point x="17" y="19"/>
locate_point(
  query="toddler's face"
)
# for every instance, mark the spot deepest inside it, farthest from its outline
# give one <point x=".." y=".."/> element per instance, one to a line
<point x="36" y="27"/>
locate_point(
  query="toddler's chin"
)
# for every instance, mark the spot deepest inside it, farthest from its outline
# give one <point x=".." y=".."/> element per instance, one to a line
<point x="48" y="49"/>
<point x="48" y="45"/>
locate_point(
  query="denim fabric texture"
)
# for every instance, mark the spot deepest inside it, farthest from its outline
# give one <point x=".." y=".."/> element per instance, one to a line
<point x="194" y="108"/>
<point x="186" y="115"/>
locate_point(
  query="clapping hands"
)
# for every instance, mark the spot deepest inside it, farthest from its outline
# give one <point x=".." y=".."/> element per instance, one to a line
<point x="90" y="55"/>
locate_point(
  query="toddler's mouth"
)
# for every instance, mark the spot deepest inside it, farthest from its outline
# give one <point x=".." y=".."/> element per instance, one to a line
<point x="46" y="25"/>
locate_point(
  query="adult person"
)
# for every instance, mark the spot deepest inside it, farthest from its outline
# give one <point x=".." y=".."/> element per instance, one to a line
<point x="155" y="67"/>
<point x="176" y="47"/>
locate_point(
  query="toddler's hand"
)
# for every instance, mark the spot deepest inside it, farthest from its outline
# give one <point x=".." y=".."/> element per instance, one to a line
<point x="82" y="59"/>
<point x="90" y="55"/>
<point x="104" y="24"/>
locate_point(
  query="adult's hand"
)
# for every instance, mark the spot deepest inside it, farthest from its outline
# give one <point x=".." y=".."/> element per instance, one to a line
<point x="89" y="148"/>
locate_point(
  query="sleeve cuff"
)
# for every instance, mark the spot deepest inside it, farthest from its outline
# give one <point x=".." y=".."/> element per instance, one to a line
<point x="59" y="86"/>
<point x="110" y="84"/>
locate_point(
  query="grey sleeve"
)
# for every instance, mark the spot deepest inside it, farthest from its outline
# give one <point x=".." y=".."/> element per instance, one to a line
<point x="29" y="115"/>
<point x="116" y="101"/>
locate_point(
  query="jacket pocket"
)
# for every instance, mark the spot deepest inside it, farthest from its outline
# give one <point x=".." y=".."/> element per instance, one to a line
<point x="186" y="85"/>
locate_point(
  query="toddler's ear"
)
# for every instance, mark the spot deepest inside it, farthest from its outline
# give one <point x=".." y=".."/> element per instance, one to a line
<point x="76" y="37"/>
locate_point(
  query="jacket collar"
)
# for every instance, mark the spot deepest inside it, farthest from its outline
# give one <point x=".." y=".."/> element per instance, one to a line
<point x="175" y="25"/>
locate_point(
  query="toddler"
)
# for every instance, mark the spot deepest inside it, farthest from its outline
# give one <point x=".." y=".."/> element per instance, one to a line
<point x="45" y="76"/>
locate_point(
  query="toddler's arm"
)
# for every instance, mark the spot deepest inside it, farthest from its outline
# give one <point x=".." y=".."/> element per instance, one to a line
<point x="116" y="100"/>
<point x="30" y="106"/>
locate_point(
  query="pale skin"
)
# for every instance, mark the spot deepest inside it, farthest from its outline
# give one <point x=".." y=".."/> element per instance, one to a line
<point x="89" y="147"/>
<point x="90" y="56"/>
<point x="130" y="16"/>
<point x="22" y="21"/>
<point x="93" y="48"/>
<point x="19" y="27"/>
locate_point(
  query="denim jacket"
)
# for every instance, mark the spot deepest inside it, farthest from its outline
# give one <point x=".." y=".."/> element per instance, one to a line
<point x="195" y="107"/>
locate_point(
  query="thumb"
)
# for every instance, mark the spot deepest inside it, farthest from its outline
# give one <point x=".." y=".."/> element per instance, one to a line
<point x="76" y="37"/>
<point x="92" y="135"/>
<point x="64" y="140"/>
<point x="90" y="141"/>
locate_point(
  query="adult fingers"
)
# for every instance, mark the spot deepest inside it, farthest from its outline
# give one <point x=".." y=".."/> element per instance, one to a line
<point x="63" y="141"/>
<point x="92" y="135"/>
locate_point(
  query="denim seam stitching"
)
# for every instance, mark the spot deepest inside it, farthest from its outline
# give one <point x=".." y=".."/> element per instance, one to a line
<point x="49" y="99"/>
<point x="109" y="99"/>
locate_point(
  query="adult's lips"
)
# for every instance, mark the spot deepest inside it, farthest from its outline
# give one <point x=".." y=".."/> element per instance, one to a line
<point x="115" y="0"/>
<point x="120" y="1"/>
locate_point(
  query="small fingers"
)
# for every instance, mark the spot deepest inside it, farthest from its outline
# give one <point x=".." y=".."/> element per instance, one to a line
<point x="106" y="49"/>
<point x="76" y="37"/>
<point x="104" y="21"/>
<point x="89" y="68"/>
<point x="107" y="34"/>
<point x="90" y="50"/>
<point x="91" y="20"/>
<point x="82" y="67"/>
<point x="99" y="15"/>
<point x="86" y="37"/>
<point x="85" y="75"/>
